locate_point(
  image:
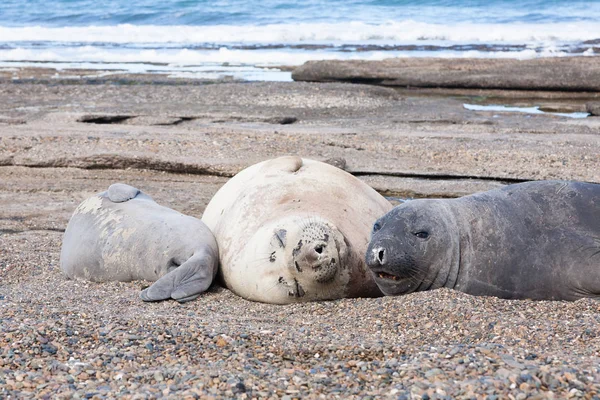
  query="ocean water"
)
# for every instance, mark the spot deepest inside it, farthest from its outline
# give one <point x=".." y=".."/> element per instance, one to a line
<point x="526" y="110"/>
<point x="250" y="39"/>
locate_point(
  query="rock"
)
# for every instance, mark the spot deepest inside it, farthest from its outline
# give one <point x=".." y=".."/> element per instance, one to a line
<point x="503" y="373"/>
<point x="239" y="388"/>
<point x="433" y="372"/>
<point x="287" y="120"/>
<point x="558" y="74"/>
<point x="151" y="120"/>
<point x="158" y="377"/>
<point x="12" y="121"/>
<point x="338" y="162"/>
<point x="49" y="348"/>
<point x="525" y="376"/>
<point x="593" y="108"/>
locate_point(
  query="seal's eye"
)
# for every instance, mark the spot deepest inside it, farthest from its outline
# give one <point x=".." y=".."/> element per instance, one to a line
<point x="376" y="227"/>
<point x="422" y="235"/>
<point x="281" y="235"/>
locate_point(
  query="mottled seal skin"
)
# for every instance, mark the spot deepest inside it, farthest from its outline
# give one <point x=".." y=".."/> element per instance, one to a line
<point x="295" y="230"/>
<point x="533" y="240"/>
<point x="123" y="235"/>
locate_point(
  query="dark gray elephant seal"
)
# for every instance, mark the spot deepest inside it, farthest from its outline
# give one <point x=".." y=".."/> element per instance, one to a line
<point x="124" y="235"/>
<point x="534" y="240"/>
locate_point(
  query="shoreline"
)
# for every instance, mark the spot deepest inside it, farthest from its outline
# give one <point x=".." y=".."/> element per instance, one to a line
<point x="62" y="141"/>
<point x="552" y="73"/>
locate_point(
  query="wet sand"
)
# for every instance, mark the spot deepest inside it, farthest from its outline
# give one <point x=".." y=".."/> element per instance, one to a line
<point x="63" y="139"/>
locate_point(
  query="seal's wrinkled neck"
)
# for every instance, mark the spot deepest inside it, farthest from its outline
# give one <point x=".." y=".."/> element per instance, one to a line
<point x="450" y="270"/>
<point x="440" y="261"/>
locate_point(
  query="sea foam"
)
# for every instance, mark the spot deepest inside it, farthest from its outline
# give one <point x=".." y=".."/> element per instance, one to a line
<point x="348" y="32"/>
<point x="245" y="51"/>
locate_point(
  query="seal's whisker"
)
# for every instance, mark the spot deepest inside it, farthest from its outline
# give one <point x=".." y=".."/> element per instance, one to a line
<point x="258" y="263"/>
<point x="416" y="269"/>
<point x="265" y="255"/>
<point x="268" y="289"/>
<point x="416" y="279"/>
<point x="586" y="248"/>
<point x="305" y="222"/>
<point x="301" y="223"/>
<point x="419" y="279"/>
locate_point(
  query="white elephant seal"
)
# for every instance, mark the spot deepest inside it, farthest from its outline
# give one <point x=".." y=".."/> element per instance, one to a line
<point x="124" y="235"/>
<point x="295" y="230"/>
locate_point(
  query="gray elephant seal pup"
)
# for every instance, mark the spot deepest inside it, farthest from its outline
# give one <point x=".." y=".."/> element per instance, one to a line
<point x="534" y="240"/>
<point x="294" y="230"/>
<point x="123" y="235"/>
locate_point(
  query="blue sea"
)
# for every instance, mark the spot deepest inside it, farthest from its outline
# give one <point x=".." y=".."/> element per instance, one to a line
<point x="252" y="39"/>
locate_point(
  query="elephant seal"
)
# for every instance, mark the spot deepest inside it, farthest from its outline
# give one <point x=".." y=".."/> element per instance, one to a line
<point x="123" y="235"/>
<point x="295" y="230"/>
<point x="533" y="240"/>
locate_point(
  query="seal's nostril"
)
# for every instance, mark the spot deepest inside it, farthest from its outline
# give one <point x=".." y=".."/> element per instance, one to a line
<point x="319" y="249"/>
<point x="381" y="256"/>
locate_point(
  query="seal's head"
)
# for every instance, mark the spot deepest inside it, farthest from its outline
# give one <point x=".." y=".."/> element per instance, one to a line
<point x="296" y="258"/>
<point x="412" y="247"/>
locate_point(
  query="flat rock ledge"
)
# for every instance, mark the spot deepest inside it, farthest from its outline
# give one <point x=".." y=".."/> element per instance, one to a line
<point x="552" y="74"/>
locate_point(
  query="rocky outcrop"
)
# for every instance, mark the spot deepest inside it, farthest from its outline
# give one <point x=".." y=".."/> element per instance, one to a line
<point x="593" y="109"/>
<point x="120" y="161"/>
<point x="556" y="74"/>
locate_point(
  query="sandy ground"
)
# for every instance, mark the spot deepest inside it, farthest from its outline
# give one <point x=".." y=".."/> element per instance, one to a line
<point x="63" y="139"/>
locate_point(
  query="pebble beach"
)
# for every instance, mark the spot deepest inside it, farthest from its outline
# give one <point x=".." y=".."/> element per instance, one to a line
<point x="65" y="138"/>
<point x="64" y="339"/>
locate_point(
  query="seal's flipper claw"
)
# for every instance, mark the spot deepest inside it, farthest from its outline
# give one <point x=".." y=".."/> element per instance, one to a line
<point x="187" y="281"/>
<point x="156" y="294"/>
<point x="189" y="298"/>
<point x="120" y="192"/>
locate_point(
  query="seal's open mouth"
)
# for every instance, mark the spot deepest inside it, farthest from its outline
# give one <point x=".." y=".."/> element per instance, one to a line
<point x="385" y="275"/>
<point x="394" y="285"/>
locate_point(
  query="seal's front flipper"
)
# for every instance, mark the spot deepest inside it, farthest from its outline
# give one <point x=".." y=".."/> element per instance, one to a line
<point x="187" y="281"/>
<point x="120" y="192"/>
<point x="288" y="164"/>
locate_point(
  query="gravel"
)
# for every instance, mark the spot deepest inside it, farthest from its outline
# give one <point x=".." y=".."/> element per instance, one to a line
<point x="74" y="339"/>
